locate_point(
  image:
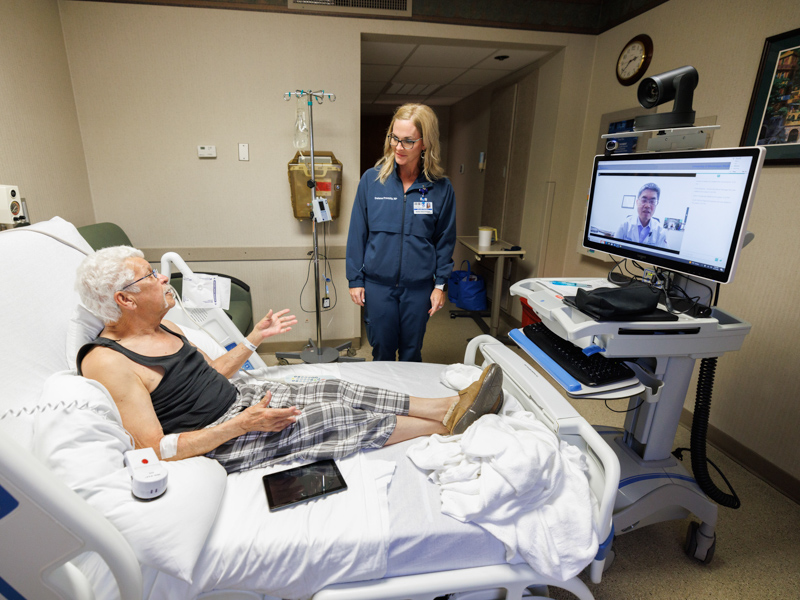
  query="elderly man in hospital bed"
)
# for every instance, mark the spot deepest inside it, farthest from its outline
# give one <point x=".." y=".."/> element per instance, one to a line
<point x="173" y="398"/>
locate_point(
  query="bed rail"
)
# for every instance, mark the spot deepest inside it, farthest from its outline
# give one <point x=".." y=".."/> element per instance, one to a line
<point x="514" y="579"/>
<point x="541" y="398"/>
<point x="34" y="505"/>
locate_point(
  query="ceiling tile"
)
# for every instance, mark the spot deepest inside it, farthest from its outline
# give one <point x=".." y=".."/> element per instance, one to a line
<point x="385" y="53"/>
<point x="442" y="100"/>
<point x="458" y="90"/>
<point x="480" y="77"/>
<point x="427" y="75"/>
<point x="377" y="72"/>
<point x="372" y="87"/>
<point x="516" y="59"/>
<point x="398" y="100"/>
<point x="428" y="55"/>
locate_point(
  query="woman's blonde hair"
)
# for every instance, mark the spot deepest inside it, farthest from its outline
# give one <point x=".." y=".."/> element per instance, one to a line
<point x="427" y="124"/>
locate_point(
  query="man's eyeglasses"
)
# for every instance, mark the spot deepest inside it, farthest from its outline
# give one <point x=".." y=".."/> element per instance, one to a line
<point x="404" y="144"/>
<point x="652" y="201"/>
<point x="153" y="274"/>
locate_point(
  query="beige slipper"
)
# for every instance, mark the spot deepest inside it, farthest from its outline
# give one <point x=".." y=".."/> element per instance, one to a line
<point x="482" y="397"/>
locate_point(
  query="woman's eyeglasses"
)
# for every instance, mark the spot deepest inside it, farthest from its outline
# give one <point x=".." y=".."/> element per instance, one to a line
<point x="404" y="144"/>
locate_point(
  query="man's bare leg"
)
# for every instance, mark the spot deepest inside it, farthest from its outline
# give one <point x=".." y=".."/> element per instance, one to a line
<point x="425" y="416"/>
<point x="434" y="409"/>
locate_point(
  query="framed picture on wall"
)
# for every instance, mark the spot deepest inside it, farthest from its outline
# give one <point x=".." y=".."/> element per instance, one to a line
<point x="773" y="118"/>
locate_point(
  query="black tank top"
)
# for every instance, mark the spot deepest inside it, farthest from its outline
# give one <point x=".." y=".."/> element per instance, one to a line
<point x="190" y="396"/>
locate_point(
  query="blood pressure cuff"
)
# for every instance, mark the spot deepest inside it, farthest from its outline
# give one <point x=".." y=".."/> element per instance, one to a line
<point x="618" y="303"/>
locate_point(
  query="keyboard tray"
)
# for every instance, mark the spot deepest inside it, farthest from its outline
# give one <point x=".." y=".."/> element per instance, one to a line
<point x="573" y="387"/>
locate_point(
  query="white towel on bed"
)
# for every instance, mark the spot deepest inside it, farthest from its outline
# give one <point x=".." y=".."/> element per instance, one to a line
<point x="512" y="476"/>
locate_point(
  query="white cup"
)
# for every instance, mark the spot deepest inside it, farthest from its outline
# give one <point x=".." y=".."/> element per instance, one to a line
<point x="486" y="235"/>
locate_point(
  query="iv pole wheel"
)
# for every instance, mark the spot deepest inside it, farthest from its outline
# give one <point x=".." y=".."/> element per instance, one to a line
<point x="695" y="537"/>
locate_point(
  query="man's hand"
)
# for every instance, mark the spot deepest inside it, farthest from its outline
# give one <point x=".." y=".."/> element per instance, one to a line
<point x="272" y="324"/>
<point x="357" y="295"/>
<point x="260" y="417"/>
<point x="437" y="301"/>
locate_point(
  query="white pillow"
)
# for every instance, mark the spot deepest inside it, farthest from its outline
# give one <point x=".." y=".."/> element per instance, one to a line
<point x="84" y="327"/>
<point x="79" y="436"/>
<point x="203" y="341"/>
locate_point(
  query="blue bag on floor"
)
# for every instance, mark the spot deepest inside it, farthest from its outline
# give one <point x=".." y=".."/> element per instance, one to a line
<point x="471" y="291"/>
<point x="452" y="283"/>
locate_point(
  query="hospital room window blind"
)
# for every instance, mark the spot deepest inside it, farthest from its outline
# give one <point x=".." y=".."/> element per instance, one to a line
<point x="367" y="7"/>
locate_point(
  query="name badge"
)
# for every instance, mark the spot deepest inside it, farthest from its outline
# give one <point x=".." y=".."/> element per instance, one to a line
<point x="423" y="207"/>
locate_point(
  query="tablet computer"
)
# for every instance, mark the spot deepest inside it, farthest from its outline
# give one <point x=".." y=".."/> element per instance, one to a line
<point x="300" y="484"/>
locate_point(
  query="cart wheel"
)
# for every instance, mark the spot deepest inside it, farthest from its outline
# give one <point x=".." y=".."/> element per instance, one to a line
<point x="351" y="352"/>
<point x="690" y="547"/>
<point x="283" y="361"/>
<point x="452" y="315"/>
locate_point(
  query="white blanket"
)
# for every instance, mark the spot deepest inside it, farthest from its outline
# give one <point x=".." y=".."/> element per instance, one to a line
<point x="512" y="476"/>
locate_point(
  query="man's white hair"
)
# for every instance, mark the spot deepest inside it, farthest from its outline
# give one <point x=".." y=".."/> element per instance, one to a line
<point x="102" y="274"/>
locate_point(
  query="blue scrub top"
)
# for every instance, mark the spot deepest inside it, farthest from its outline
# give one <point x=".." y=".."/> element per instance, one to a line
<point x="401" y="238"/>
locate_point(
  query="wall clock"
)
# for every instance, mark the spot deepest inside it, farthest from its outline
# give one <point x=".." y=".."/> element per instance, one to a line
<point x="634" y="59"/>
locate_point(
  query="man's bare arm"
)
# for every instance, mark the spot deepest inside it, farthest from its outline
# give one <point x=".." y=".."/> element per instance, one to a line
<point x="230" y="362"/>
<point x="132" y="398"/>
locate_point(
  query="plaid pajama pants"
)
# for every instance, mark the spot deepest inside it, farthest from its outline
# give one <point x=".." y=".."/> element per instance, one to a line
<point x="338" y="418"/>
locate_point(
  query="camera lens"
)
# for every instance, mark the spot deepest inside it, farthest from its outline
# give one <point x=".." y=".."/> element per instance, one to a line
<point x="651" y="92"/>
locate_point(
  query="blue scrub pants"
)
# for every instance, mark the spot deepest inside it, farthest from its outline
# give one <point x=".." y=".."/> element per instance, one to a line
<point x="396" y="318"/>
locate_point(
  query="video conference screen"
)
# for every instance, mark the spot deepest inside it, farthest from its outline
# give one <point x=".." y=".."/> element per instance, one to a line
<point x="682" y="211"/>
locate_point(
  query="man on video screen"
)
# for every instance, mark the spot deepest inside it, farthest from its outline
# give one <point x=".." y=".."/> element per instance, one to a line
<point x="642" y="227"/>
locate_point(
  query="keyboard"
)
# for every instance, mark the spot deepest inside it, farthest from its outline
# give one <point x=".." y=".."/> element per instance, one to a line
<point x="594" y="370"/>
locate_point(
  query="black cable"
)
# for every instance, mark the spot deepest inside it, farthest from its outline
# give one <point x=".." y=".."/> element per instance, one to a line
<point x="308" y="276"/>
<point x="623" y="411"/>
<point x="702" y="410"/>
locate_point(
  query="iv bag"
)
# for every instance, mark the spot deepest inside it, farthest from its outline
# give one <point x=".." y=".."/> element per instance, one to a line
<point x="301" y="125"/>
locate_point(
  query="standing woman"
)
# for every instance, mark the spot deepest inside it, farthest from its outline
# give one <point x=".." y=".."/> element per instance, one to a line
<point x="402" y="236"/>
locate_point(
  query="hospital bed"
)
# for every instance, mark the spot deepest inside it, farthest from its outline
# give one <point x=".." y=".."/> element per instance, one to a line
<point x="70" y="528"/>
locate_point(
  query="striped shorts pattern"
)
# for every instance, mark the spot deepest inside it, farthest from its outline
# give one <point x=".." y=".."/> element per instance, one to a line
<point x="338" y="418"/>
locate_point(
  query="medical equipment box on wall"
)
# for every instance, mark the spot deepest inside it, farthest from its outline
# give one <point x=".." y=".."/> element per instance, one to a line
<point x="328" y="178"/>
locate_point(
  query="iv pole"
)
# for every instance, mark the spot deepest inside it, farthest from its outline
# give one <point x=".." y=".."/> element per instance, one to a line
<point x="315" y="353"/>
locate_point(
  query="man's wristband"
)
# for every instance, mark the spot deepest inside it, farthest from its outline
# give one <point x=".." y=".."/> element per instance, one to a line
<point x="249" y="345"/>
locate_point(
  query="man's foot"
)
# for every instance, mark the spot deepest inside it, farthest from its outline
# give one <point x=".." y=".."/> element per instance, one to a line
<point x="482" y="397"/>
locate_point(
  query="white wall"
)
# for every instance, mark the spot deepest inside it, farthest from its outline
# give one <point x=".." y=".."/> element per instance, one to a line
<point x="41" y="150"/>
<point x="152" y="83"/>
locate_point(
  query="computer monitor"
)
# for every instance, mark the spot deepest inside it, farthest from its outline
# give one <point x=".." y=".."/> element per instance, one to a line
<point x="694" y="205"/>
